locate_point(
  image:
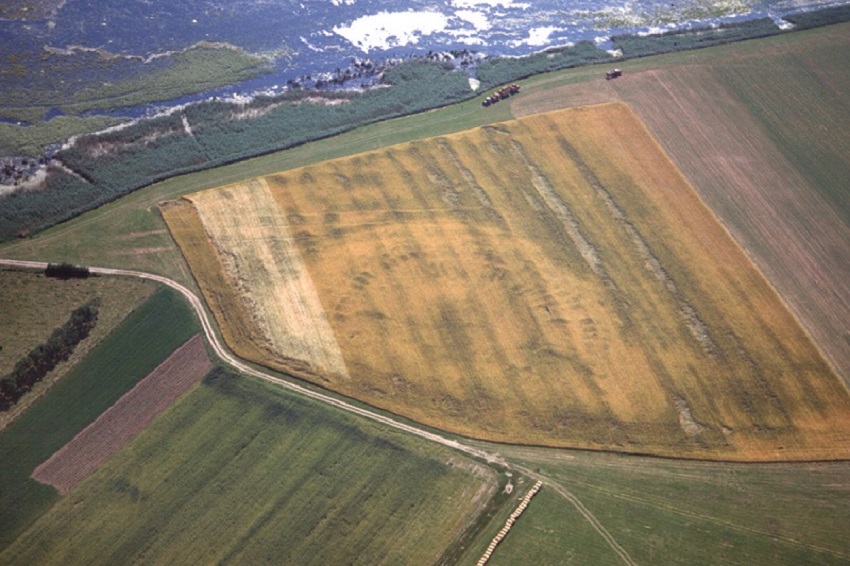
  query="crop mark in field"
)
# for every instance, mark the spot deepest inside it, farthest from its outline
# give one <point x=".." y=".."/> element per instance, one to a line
<point x="686" y="418"/>
<point x="560" y="209"/>
<point x="438" y="178"/>
<point x="689" y="315"/>
<point x="556" y="325"/>
<point x="467" y="175"/>
<point x="410" y="180"/>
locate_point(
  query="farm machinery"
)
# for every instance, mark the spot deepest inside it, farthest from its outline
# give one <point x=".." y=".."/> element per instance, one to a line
<point x="501" y="94"/>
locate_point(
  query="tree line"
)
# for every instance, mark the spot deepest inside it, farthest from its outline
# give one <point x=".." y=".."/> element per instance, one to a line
<point x="66" y="271"/>
<point x="41" y="360"/>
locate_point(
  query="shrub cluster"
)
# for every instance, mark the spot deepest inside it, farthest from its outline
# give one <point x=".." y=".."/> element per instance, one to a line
<point x="63" y="197"/>
<point x="43" y="358"/>
<point x="66" y="271"/>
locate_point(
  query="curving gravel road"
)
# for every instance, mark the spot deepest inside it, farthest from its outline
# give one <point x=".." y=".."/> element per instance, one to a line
<point x="233" y="361"/>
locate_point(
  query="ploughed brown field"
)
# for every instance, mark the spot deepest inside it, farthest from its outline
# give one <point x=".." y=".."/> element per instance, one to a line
<point x="119" y="424"/>
<point x="552" y="280"/>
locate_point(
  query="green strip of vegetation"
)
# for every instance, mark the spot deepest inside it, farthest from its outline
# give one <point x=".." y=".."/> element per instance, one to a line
<point x="85" y="80"/>
<point x="41" y="360"/>
<point x="819" y="18"/>
<point x="502" y="70"/>
<point x="242" y="472"/>
<point x="30" y="140"/>
<point x="681" y="40"/>
<point x="196" y="69"/>
<point x="143" y="341"/>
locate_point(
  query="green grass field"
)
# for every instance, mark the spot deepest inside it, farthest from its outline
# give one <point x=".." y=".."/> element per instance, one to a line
<point x="673" y="512"/>
<point x="144" y="340"/>
<point x="239" y="472"/>
<point x="551" y="531"/>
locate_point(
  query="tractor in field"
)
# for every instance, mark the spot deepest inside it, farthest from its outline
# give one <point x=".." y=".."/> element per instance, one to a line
<point x="613" y="74"/>
<point x="501" y="94"/>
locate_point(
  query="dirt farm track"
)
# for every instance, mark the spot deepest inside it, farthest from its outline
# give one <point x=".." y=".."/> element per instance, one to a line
<point x="228" y="358"/>
<point x="631" y="293"/>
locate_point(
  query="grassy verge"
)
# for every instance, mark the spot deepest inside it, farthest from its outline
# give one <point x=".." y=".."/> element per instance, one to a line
<point x="241" y="472"/>
<point x="146" y="338"/>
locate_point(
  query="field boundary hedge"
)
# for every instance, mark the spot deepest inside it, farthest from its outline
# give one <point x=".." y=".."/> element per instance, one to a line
<point x="41" y="360"/>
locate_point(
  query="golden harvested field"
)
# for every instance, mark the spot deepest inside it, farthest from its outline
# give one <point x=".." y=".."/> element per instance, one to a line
<point x="551" y="280"/>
